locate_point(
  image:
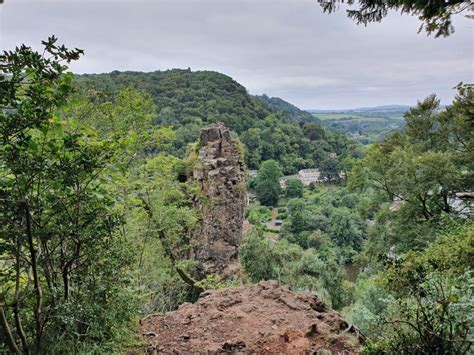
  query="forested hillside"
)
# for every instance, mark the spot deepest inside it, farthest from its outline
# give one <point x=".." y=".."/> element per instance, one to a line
<point x="293" y="112"/>
<point x="366" y="125"/>
<point x="100" y="207"/>
<point x="187" y="101"/>
<point x="393" y="248"/>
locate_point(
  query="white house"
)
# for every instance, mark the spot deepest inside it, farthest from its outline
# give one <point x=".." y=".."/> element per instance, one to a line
<point x="307" y="176"/>
<point x="284" y="179"/>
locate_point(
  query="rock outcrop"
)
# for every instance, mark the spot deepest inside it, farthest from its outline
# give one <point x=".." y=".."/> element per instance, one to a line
<point x="264" y="318"/>
<point x="219" y="170"/>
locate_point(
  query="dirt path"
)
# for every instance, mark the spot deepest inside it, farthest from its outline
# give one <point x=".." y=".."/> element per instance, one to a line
<point x="274" y="213"/>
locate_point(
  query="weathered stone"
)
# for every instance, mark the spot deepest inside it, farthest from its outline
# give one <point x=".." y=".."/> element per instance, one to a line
<point x="220" y="172"/>
<point x="198" y="175"/>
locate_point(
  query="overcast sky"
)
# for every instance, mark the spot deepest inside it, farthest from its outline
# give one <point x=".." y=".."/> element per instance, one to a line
<point x="284" y="48"/>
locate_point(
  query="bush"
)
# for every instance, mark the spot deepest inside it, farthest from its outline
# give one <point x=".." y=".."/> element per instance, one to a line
<point x="294" y="188"/>
<point x="424" y="300"/>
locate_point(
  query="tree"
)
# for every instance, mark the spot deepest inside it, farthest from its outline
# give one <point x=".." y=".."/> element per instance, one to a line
<point x="256" y="256"/>
<point x="428" y="163"/>
<point x="152" y="198"/>
<point x="267" y="184"/>
<point x="433" y="292"/>
<point x="187" y="101"/>
<point x="435" y="15"/>
<point x="313" y="131"/>
<point x="330" y="169"/>
<point x="344" y="230"/>
<point x="294" y="188"/>
<point x="65" y="266"/>
<point x="298" y="216"/>
<point x="300" y="269"/>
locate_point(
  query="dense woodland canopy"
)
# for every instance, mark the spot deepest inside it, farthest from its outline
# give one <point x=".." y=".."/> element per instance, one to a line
<point x="293" y="112"/>
<point x="400" y="220"/>
<point x="95" y="216"/>
<point x="186" y="101"/>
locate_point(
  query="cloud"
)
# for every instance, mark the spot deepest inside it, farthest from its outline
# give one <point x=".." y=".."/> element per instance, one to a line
<point x="285" y="48"/>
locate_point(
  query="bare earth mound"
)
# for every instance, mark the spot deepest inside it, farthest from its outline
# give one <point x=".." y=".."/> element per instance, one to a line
<point x="257" y="319"/>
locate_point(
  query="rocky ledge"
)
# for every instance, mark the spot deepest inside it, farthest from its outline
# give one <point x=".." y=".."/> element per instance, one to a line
<point x="264" y="318"/>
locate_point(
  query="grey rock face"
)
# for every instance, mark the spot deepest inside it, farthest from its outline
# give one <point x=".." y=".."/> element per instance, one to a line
<point x="220" y="172"/>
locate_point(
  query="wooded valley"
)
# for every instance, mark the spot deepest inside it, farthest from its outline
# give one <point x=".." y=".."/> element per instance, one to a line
<point x="100" y="193"/>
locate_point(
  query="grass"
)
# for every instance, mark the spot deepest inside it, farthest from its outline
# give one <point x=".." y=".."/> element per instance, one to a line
<point x="333" y="116"/>
<point x="339" y="116"/>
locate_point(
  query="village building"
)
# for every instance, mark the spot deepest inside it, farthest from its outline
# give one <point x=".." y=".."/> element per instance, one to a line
<point x="461" y="203"/>
<point x="284" y="180"/>
<point x="307" y="176"/>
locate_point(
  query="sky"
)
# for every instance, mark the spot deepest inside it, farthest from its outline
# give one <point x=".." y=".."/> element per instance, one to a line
<point x="283" y="48"/>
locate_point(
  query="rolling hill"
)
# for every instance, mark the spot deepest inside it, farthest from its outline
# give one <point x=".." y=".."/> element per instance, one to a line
<point x="188" y="101"/>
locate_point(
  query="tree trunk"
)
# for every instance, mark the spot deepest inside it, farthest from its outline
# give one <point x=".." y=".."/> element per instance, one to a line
<point x="36" y="281"/>
<point x="7" y="331"/>
<point x="16" y="301"/>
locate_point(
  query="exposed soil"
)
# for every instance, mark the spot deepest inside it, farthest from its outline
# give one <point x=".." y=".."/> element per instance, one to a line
<point x="264" y="318"/>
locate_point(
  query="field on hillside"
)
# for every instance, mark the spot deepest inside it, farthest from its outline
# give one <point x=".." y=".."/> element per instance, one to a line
<point x="352" y="116"/>
<point x="366" y="127"/>
<point x="335" y="116"/>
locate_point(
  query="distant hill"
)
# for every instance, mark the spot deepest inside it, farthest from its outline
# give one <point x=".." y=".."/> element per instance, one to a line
<point x="185" y="97"/>
<point x="368" y="108"/>
<point x="293" y="112"/>
<point x="366" y="124"/>
<point x="188" y="101"/>
<point x="375" y="111"/>
<point x="383" y="108"/>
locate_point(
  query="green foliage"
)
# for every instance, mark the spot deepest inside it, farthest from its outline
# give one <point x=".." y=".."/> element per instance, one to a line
<point x="293" y="112"/>
<point x="267" y="184"/>
<point x="330" y="169"/>
<point x="418" y="172"/>
<point x="154" y="203"/>
<point x="97" y="219"/>
<point x="66" y="268"/>
<point x="314" y="132"/>
<point x="415" y="293"/>
<point x="96" y="211"/>
<point x="422" y="303"/>
<point x="159" y="217"/>
<point x="344" y="229"/>
<point x="298" y="217"/>
<point x="300" y="269"/>
<point x="416" y="296"/>
<point x="150" y="197"/>
<point x="434" y="296"/>
<point x="257" y="214"/>
<point x="294" y="188"/>
<point x="430" y="142"/>
<point x="256" y="257"/>
<point x="185" y="97"/>
<point x="435" y="15"/>
<point x="331" y="214"/>
<point x="364" y="127"/>
<point x="188" y="101"/>
<point x="215" y="282"/>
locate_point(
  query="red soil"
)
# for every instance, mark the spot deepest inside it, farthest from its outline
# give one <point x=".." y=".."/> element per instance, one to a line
<point x="264" y="318"/>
